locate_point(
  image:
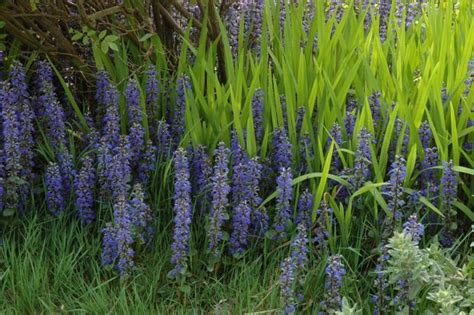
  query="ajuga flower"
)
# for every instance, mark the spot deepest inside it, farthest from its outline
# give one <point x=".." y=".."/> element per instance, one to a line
<point x="305" y="205"/>
<point x="84" y="185"/>
<point x="220" y="190"/>
<point x="425" y="134"/>
<point x="287" y="285"/>
<point x="335" y="134"/>
<point x="374" y="104"/>
<point x="306" y="152"/>
<point x="123" y="237"/>
<point x="102" y="84"/>
<point x="394" y="192"/>
<point x="66" y="166"/>
<point x="179" y="116"/>
<point x="152" y="88"/>
<point x="55" y="189"/>
<point x="120" y="172"/>
<point x="403" y="131"/>
<point x="111" y="130"/>
<point x="413" y="228"/>
<point x="449" y="188"/>
<point x="240" y="228"/>
<point x="163" y="138"/>
<point x="349" y="122"/>
<point x="147" y="163"/>
<point x="282" y="154"/>
<point x="299" y="247"/>
<point x="299" y="118"/>
<point x="363" y="157"/>
<point x="428" y="175"/>
<point x="141" y="215"/>
<point x="201" y="173"/>
<point x="321" y="234"/>
<point x="259" y="216"/>
<point x="182" y="213"/>
<point x="53" y="110"/>
<point x="21" y="99"/>
<point x="11" y="147"/>
<point x="135" y="116"/>
<point x="283" y="214"/>
<point x="335" y="273"/>
<point x="257" y="112"/>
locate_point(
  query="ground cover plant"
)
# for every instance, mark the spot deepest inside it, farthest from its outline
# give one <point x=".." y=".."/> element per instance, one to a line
<point x="257" y="157"/>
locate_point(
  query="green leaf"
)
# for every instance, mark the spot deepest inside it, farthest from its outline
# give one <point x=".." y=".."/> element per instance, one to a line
<point x="110" y="38"/>
<point x="8" y="212"/>
<point x="102" y="34"/>
<point x="113" y="46"/>
<point x="77" y="36"/>
<point x="145" y="37"/>
<point x="104" y="46"/>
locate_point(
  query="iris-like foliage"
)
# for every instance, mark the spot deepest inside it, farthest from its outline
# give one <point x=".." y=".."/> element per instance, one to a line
<point x="283" y="211"/>
<point x="84" y="185"/>
<point x="335" y="272"/>
<point x="220" y="202"/>
<point x="449" y="189"/>
<point x="182" y="213"/>
<point x="55" y="190"/>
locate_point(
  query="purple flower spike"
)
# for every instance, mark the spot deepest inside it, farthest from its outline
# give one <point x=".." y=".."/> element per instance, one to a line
<point x="282" y="150"/>
<point x="55" y="189"/>
<point x="240" y="232"/>
<point x="220" y="190"/>
<point x="283" y="214"/>
<point x="335" y="273"/>
<point x="182" y="213"/>
<point x="84" y="185"/>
